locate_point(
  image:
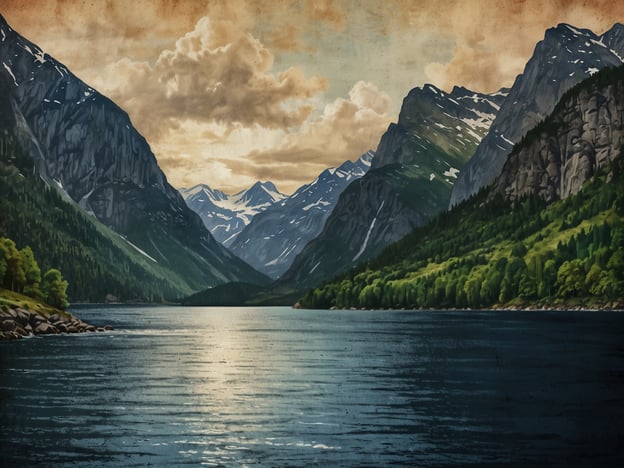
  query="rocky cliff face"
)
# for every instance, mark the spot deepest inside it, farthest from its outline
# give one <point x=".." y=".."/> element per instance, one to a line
<point x="86" y="145"/>
<point x="584" y="133"/>
<point x="411" y="178"/>
<point x="275" y="237"/>
<point x="565" y="56"/>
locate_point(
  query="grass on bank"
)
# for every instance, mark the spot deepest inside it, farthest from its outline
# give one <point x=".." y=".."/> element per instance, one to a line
<point x="11" y="300"/>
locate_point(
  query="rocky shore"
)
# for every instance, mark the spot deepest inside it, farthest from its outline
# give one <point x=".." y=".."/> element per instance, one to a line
<point x="18" y="323"/>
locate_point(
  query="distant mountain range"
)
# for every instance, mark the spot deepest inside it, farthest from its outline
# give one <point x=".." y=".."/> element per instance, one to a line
<point x="277" y="235"/>
<point x="225" y="215"/>
<point x="85" y="147"/>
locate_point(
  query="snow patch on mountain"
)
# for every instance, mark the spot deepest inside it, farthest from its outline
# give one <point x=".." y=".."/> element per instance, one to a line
<point x="277" y="235"/>
<point x="225" y="215"/>
<point x="370" y="229"/>
<point x="10" y="72"/>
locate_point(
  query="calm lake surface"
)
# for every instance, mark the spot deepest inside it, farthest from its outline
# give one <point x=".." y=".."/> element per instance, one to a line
<point x="277" y="386"/>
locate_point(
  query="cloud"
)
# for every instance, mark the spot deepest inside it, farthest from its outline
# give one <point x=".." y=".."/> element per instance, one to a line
<point x="206" y="77"/>
<point x="493" y="40"/>
<point x="345" y="130"/>
<point x="231" y="91"/>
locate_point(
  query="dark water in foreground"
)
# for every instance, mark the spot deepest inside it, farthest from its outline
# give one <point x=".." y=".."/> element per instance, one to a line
<point x="275" y="387"/>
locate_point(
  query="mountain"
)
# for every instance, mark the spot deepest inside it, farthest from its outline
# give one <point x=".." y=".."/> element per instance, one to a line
<point x="549" y="230"/>
<point x="274" y="237"/>
<point x="86" y="146"/>
<point x="565" y="56"/>
<point x="410" y="181"/>
<point x="584" y="134"/>
<point x="98" y="263"/>
<point x="226" y="216"/>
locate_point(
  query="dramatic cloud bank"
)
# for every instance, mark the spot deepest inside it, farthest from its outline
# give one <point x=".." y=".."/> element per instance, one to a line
<point x="228" y="92"/>
<point x="207" y="79"/>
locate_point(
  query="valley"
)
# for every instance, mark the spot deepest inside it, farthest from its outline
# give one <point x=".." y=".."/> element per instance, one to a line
<point x="128" y="235"/>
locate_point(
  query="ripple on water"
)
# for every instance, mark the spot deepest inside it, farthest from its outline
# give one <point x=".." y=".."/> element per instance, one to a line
<point x="273" y="386"/>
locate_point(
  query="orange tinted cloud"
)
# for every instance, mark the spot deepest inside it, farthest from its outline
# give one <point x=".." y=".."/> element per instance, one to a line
<point x="197" y="76"/>
<point x="205" y="78"/>
<point x="494" y="39"/>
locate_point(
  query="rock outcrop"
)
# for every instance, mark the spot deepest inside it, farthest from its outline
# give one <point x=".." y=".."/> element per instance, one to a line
<point x="565" y="56"/>
<point x="584" y="133"/>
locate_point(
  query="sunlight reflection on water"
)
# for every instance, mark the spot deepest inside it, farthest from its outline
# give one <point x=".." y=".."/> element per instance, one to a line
<point x="274" y="386"/>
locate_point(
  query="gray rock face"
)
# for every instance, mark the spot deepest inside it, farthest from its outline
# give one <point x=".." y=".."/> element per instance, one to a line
<point x="276" y="236"/>
<point x="86" y="145"/>
<point x="585" y="133"/>
<point x="565" y="56"/>
<point x="346" y="239"/>
<point x="410" y="181"/>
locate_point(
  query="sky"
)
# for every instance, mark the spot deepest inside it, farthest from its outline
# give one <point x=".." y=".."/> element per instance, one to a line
<point x="230" y="92"/>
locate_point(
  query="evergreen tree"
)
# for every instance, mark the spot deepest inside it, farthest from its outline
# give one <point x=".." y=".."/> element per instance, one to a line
<point x="32" y="273"/>
<point x="14" y="276"/>
<point x="54" y="289"/>
<point x="571" y="279"/>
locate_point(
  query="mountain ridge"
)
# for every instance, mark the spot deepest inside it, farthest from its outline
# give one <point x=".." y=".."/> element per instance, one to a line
<point x="85" y="146"/>
<point x="563" y="58"/>
<point x="274" y="237"/>
<point x="226" y="215"/>
<point x="411" y="178"/>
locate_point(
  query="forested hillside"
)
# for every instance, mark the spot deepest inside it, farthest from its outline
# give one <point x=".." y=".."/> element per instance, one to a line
<point x="516" y="242"/>
<point x="96" y="262"/>
<point x="570" y="251"/>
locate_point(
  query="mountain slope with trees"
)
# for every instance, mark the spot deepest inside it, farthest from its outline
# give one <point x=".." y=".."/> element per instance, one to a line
<point x="86" y="147"/>
<point x="515" y="248"/>
<point x="97" y="262"/>
<point x="410" y="181"/>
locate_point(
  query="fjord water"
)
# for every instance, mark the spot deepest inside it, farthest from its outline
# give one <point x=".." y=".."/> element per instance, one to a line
<point x="277" y="386"/>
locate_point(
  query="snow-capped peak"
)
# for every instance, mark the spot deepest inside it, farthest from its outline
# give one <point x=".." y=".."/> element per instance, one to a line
<point x="226" y="215"/>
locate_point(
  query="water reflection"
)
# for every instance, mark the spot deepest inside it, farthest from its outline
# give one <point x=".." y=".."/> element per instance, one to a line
<point x="274" y="386"/>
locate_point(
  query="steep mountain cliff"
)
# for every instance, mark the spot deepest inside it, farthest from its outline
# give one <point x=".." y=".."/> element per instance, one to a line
<point x="584" y="134"/>
<point x="225" y="215"/>
<point x="274" y="238"/>
<point x="565" y="56"/>
<point x="86" y="145"/>
<point x="98" y="263"/>
<point x="410" y="180"/>
<point x="547" y="233"/>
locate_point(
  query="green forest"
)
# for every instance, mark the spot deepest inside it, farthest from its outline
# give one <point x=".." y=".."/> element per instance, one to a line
<point x="491" y="252"/>
<point x="20" y="272"/>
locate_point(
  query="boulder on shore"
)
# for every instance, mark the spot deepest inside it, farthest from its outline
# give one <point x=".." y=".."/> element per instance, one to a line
<point x="17" y="322"/>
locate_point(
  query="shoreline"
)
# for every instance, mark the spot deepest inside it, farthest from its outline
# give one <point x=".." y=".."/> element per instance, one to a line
<point x="18" y="322"/>
<point x="611" y="307"/>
